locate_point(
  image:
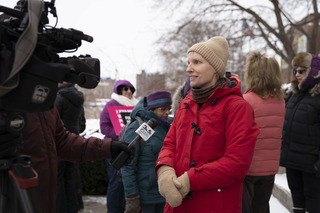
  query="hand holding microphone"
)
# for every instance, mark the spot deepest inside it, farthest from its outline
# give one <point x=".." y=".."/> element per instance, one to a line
<point x="145" y="131"/>
<point x="119" y="146"/>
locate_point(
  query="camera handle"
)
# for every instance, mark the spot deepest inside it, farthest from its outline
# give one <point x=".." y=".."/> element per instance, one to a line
<point x="18" y="186"/>
<point x="18" y="180"/>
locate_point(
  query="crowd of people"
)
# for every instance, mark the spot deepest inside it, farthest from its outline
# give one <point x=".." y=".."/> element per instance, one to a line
<point x="218" y="152"/>
<point x="223" y="148"/>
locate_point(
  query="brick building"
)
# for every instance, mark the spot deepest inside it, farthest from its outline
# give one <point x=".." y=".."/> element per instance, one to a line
<point x="149" y="82"/>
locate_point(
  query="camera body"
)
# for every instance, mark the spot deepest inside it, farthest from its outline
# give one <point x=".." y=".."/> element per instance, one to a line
<point x="41" y="68"/>
<point x="228" y="74"/>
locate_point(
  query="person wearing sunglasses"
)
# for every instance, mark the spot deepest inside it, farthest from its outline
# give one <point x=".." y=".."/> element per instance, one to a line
<point x="300" y="150"/>
<point x="122" y="95"/>
<point x="139" y="179"/>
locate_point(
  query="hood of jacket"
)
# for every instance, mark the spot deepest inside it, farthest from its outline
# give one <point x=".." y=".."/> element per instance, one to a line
<point x="177" y="98"/>
<point x="311" y="79"/>
<point x="179" y="95"/>
<point x="314" y="90"/>
<point x="123" y="83"/>
<point x="232" y="88"/>
<point x="140" y="109"/>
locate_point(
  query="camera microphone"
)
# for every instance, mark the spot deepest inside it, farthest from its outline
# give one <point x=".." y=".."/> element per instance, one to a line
<point x="75" y="34"/>
<point x="12" y="12"/>
<point x="144" y="132"/>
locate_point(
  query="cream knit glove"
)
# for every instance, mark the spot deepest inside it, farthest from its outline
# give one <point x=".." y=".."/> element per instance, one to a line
<point x="182" y="183"/>
<point x="166" y="176"/>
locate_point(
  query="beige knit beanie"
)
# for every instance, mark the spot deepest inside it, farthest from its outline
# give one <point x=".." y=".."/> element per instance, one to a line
<point x="215" y="51"/>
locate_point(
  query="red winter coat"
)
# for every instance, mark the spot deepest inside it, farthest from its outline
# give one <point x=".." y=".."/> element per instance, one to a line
<point x="44" y="139"/>
<point x="221" y="153"/>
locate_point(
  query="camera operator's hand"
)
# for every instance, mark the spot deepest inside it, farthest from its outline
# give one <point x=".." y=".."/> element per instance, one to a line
<point x="9" y="144"/>
<point x="118" y="146"/>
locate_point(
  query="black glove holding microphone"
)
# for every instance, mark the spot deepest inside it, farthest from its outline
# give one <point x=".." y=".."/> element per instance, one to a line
<point x="118" y="146"/>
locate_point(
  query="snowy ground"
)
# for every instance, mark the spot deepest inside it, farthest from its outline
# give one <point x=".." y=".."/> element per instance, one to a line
<point x="281" y="180"/>
<point x="276" y="206"/>
<point x="97" y="204"/>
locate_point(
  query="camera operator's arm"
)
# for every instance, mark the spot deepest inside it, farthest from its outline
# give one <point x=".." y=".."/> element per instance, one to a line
<point x="76" y="148"/>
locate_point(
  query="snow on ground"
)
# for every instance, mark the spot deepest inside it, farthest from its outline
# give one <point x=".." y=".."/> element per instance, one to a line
<point x="276" y="206"/>
<point x="99" y="202"/>
<point x="92" y="129"/>
<point x="281" y="180"/>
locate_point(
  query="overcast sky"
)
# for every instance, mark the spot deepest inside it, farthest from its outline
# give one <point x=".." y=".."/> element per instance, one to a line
<point x="124" y="32"/>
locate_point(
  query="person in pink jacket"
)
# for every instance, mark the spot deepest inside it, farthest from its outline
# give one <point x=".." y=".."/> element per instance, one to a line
<point x="263" y="78"/>
<point x="208" y="149"/>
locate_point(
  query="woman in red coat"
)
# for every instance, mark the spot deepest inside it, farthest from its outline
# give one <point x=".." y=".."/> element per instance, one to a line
<point x="208" y="149"/>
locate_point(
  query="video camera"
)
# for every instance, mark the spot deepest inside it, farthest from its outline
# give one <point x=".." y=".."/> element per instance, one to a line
<point x="30" y="70"/>
<point x="30" y="65"/>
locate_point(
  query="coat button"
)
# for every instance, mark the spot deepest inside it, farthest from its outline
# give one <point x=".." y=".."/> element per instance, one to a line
<point x="219" y="190"/>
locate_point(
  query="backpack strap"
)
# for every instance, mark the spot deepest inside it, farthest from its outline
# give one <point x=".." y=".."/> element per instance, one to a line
<point x="25" y="46"/>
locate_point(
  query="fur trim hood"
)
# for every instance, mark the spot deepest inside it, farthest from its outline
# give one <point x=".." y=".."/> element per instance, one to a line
<point x="180" y="93"/>
<point x="311" y="79"/>
<point x="177" y="98"/>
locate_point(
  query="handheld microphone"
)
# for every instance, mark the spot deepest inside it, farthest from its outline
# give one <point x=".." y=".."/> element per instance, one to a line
<point x="144" y="132"/>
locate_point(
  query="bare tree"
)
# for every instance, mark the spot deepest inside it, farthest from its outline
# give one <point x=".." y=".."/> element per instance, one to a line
<point x="270" y="21"/>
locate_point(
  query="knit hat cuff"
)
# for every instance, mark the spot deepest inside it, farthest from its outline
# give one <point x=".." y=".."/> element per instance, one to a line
<point x="159" y="102"/>
<point x="209" y="56"/>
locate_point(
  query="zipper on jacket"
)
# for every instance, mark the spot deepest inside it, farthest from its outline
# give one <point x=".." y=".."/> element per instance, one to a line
<point x="45" y="126"/>
<point x="295" y="105"/>
<point x="213" y="102"/>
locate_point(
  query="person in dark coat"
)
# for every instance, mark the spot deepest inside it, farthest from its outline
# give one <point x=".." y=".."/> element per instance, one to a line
<point x="300" y="150"/>
<point x="45" y="139"/>
<point x="122" y="95"/>
<point x="69" y="103"/>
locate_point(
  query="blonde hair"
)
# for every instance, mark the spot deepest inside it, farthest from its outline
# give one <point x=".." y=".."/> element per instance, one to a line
<point x="262" y="76"/>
